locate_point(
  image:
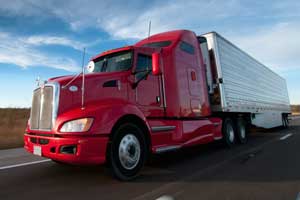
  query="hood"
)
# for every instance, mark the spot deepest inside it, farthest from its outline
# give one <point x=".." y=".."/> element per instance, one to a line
<point x="98" y="87"/>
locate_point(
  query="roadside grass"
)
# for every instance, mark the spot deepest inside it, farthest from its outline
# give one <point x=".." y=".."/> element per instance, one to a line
<point x="12" y="126"/>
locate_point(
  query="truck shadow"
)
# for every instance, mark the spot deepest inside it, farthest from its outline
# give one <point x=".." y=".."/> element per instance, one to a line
<point x="250" y="162"/>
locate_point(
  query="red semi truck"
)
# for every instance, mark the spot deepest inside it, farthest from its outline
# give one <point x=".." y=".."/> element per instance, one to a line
<point x="166" y="92"/>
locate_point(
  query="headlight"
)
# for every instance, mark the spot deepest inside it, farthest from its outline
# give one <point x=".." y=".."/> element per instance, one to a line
<point x="78" y="125"/>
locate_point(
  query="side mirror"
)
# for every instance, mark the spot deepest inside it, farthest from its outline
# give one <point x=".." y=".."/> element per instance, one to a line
<point x="156" y="64"/>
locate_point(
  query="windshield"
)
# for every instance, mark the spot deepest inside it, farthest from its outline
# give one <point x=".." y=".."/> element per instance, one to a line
<point x="115" y="62"/>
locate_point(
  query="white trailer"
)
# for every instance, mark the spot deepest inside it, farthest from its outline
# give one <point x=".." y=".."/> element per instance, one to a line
<point x="238" y="83"/>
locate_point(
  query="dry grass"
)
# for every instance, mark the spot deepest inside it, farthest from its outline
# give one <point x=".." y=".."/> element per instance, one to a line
<point x="295" y="109"/>
<point x="12" y="126"/>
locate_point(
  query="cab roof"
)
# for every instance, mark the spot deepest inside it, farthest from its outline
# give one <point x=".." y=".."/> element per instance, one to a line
<point x="173" y="36"/>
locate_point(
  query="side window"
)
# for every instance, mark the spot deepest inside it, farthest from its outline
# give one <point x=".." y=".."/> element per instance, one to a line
<point x="144" y="63"/>
<point x="186" y="47"/>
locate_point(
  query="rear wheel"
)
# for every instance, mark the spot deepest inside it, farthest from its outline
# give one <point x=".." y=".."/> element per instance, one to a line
<point x="127" y="152"/>
<point x="228" y="132"/>
<point x="285" y="121"/>
<point x="241" y="130"/>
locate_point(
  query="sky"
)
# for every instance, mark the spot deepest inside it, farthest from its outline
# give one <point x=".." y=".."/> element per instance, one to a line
<point x="46" y="38"/>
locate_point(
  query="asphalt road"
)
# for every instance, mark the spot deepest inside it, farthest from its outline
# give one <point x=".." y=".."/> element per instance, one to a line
<point x="267" y="167"/>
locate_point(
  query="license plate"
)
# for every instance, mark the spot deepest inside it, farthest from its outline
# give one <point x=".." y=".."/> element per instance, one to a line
<point x="37" y="150"/>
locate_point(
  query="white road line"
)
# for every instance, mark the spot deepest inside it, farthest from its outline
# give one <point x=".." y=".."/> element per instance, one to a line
<point x="24" y="164"/>
<point x="286" y="136"/>
<point x="165" y="197"/>
<point x="298" y="196"/>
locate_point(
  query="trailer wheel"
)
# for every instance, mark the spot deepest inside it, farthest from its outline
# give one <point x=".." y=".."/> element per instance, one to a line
<point x="228" y="132"/>
<point x="241" y="130"/>
<point x="285" y="121"/>
<point x="127" y="152"/>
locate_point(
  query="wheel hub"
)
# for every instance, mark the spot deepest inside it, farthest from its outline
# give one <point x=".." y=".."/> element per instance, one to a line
<point x="129" y="151"/>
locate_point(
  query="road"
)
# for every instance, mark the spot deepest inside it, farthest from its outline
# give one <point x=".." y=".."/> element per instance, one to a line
<point x="267" y="167"/>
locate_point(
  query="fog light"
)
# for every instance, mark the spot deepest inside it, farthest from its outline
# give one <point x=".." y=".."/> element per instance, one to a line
<point x="70" y="149"/>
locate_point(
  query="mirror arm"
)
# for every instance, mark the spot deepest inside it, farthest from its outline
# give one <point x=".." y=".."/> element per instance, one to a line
<point x="134" y="85"/>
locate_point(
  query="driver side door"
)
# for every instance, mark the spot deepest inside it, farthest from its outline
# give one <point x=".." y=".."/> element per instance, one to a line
<point x="148" y="93"/>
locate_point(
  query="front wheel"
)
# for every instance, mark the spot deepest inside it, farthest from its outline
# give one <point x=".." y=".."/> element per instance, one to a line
<point x="127" y="152"/>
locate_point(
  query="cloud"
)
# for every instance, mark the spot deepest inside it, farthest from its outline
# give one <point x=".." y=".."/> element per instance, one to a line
<point x="276" y="46"/>
<point x="38" y="40"/>
<point x="127" y="20"/>
<point x="19" y="51"/>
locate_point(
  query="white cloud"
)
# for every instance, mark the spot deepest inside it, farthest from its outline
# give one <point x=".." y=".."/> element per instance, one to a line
<point x="124" y="20"/>
<point x="19" y="51"/>
<point x="277" y="46"/>
<point x="132" y="23"/>
<point x="38" y="40"/>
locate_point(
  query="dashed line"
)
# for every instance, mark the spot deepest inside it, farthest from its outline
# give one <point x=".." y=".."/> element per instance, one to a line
<point x="167" y="197"/>
<point x="24" y="164"/>
<point x="286" y="136"/>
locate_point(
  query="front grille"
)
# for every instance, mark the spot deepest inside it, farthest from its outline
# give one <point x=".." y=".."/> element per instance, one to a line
<point x="43" y="105"/>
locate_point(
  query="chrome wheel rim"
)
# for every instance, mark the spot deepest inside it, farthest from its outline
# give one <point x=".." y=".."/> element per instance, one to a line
<point x="230" y="132"/>
<point x="129" y="151"/>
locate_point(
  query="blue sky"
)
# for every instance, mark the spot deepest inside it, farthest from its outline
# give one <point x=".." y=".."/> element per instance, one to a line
<point x="45" y="38"/>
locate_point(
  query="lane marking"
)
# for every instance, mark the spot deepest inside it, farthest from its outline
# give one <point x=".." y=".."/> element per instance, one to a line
<point x="24" y="164"/>
<point x="165" y="197"/>
<point x="286" y="136"/>
<point x="298" y="196"/>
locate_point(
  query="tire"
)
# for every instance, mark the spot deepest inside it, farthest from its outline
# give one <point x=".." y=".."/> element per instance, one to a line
<point x="285" y="121"/>
<point x="127" y="152"/>
<point x="241" y="130"/>
<point x="228" y="132"/>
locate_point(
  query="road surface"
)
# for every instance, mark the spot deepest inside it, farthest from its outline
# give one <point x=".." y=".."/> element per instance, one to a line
<point x="267" y="167"/>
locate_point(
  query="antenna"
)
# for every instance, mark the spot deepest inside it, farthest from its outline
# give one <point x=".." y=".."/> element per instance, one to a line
<point x="149" y="30"/>
<point x="38" y="81"/>
<point x="83" y="81"/>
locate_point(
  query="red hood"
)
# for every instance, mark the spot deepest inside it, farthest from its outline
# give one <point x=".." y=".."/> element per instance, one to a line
<point x="95" y="90"/>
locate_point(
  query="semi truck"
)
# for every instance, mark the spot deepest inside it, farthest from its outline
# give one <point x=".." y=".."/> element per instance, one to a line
<point x="166" y="92"/>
